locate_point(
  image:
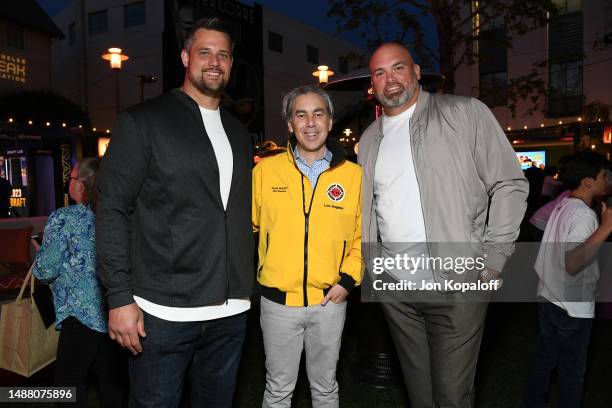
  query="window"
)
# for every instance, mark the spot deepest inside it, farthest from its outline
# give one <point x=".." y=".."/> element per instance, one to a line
<point x="568" y="6"/>
<point x="71" y="33"/>
<point x="493" y="88"/>
<point x="98" y="22"/>
<point x="493" y="66"/>
<point x="275" y="42"/>
<point x="565" y="89"/>
<point x="312" y="54"/>
<point x="14" y="37"/>
<point x="134" y="14"/>
<point x="343" y="65"/>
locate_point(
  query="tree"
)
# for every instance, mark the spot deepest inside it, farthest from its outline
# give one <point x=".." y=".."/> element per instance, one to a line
<point x="459" y="25"/>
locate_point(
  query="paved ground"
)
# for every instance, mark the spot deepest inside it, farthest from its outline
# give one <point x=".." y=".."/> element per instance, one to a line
<point x="507" y="346"/>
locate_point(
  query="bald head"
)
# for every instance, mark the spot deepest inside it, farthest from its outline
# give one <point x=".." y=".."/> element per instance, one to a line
<point x="395" y="77"/>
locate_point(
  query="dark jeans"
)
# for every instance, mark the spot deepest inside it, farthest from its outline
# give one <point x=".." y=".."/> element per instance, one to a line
<point x="211" y="350"/>
<point x="82" y="351"/>
<point x="563" y="343"/>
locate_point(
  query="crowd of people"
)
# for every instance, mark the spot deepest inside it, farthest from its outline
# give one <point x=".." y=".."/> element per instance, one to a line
<point x="155" y="257"/>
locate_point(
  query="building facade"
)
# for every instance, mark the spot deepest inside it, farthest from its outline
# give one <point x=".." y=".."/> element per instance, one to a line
<point x="575" y="59"/>
<point x="273" y="54"/>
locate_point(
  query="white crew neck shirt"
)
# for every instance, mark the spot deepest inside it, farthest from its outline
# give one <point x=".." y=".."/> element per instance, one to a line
<point x="396" y="190"/>
<point x="225" y="162"/>
<point x="570" y="224"/>
<point x="399" y="212"/>
<point x="222" y="148"/>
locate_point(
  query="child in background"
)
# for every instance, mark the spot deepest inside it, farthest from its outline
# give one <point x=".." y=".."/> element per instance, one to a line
<point x="568" y="273"/>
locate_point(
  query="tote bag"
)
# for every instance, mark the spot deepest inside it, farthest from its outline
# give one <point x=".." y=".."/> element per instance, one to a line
<point x="26" y="345"/>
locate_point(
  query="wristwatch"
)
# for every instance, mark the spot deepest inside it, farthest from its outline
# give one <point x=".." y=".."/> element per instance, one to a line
<point x="487" y="276"/>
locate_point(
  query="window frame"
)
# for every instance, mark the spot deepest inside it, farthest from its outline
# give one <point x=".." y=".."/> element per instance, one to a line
<point x="133" y="5"/>
<point x="90" y="26"/>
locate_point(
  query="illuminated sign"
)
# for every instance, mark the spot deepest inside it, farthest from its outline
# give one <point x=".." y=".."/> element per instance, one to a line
<point x="607" y="134"/>
<point x="17" y="200"/>
<point x="231" y="8"/>
<point x="12" y="68"/>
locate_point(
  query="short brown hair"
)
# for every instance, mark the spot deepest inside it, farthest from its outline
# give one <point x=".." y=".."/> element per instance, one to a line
<point x="213" y="23"/>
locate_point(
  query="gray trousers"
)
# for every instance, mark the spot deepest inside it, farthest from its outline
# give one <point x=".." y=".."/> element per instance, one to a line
<point x="287" y="330"/>
<point x="437" y="344"/>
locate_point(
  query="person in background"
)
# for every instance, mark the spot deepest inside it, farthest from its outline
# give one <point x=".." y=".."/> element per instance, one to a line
<point x="551" y="187"/>
<point x="568" y="272"/>
<point x="535" y="177"/>
<point x="67" y="261"/>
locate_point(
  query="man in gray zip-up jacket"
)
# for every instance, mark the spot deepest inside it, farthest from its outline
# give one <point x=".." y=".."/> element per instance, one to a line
<point x="437" y="169"/>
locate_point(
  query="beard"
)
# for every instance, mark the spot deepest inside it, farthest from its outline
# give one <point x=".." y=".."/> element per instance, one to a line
<point x="209" y="88"/>
<point x="400" y="98"/>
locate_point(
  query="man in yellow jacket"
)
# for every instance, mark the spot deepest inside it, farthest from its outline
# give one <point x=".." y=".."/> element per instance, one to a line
<point x="307" y="209"/>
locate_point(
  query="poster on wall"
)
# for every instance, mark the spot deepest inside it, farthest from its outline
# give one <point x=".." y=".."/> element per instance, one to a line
<point x="16" y="171"/>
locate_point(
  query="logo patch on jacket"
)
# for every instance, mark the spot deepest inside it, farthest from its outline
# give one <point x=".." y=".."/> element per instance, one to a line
<point x="335" y="192"/>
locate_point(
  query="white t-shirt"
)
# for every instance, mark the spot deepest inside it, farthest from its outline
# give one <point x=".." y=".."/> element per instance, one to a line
<point x="399" y="213"/>
<point x="222" y="148"/>
<point x="570" y="224"/>
<point x="225" y="162"/>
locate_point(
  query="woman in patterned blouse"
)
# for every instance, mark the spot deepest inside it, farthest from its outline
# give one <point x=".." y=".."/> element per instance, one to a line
<point x="67" y="261"/>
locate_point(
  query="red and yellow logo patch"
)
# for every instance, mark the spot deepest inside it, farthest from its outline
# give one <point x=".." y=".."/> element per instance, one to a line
<point x="335" y="192"/>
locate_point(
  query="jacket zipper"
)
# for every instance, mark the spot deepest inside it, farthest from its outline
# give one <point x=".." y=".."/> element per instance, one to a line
<point x="227" y="281"/>
<point x="306" y="221"/>
<point x="416" y="175"/>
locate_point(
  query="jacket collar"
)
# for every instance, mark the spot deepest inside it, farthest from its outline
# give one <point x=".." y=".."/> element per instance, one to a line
<point x="421" y="103"/>
<point x="337" y="151"/>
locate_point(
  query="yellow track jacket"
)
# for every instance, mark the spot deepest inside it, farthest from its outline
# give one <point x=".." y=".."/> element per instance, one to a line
<point x="309" y="236"/>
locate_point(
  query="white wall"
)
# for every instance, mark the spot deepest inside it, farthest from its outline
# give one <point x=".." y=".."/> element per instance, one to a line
<point x="143" y="44"/>
<point x="283" y="72"/>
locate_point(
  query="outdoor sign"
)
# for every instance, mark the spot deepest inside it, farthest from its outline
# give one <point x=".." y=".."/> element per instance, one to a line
<point x="12" y="68"/>
<point x="16" y="170"/>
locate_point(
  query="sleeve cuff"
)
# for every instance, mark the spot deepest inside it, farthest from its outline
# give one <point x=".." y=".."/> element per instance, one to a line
<point x="346" y="281"/>
<point x="495" y="260"/>
<point x="119" y="299"/>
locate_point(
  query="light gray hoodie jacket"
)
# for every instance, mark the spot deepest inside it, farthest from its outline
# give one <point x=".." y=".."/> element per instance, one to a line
<point x="471" y="186"/>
